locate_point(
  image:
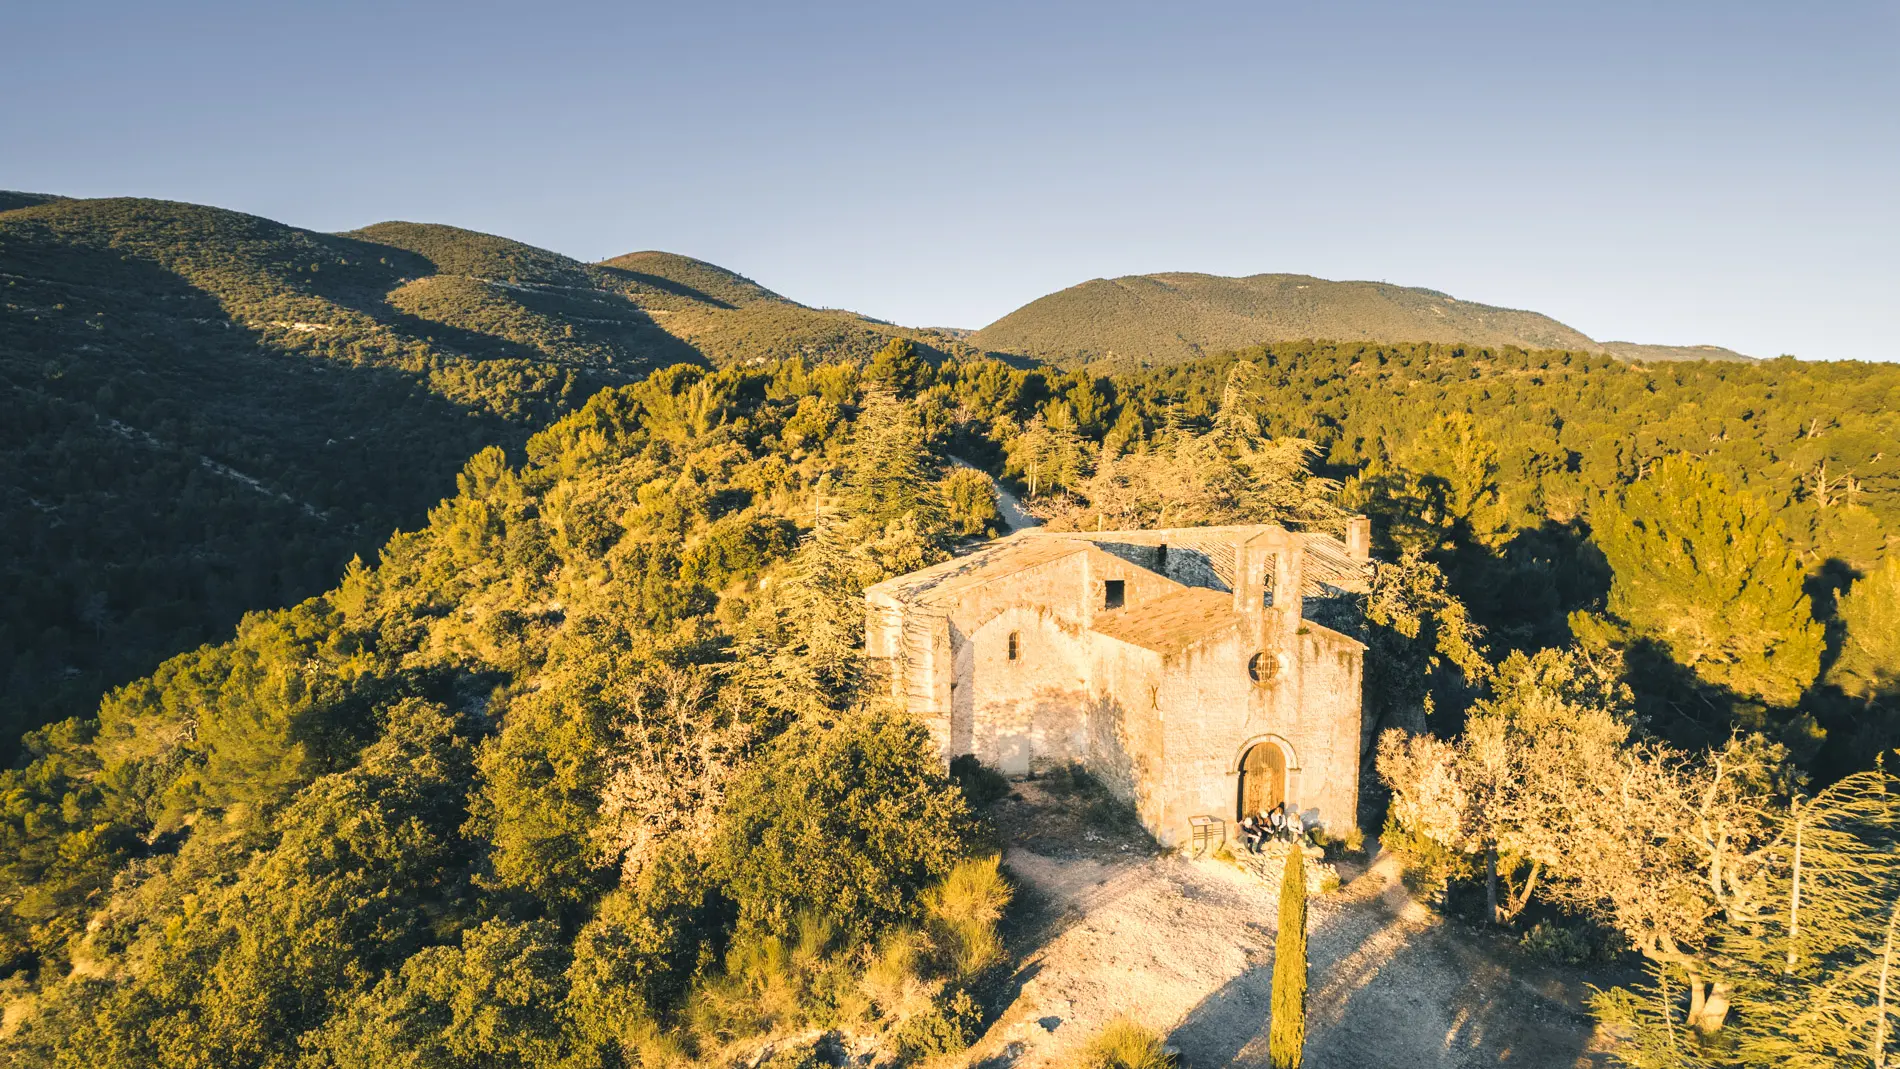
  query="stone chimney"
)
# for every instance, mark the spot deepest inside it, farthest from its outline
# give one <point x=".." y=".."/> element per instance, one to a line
<point x="1359" y="538"/>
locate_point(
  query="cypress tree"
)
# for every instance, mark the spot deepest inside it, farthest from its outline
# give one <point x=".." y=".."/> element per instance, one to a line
<point x="1286" y="1037"/>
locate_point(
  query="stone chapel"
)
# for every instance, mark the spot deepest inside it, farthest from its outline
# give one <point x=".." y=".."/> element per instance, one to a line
<point x="1184" y="668"/>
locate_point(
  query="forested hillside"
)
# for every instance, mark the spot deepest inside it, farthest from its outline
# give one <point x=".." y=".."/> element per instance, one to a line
<point x="209" y="412"/>
<point x="580" y="774"/>
<point x="583" y="767"/>
<point x="1167" y="318"/>
<point x="204" y="412"/>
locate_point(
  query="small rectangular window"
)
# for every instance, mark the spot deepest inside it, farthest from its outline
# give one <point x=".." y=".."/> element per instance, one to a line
<point x="1114" y="600"/>
<point x="1014" y="646"/>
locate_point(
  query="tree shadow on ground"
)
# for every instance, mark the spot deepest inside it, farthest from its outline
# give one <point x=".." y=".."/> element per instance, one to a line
<point x="1407" y="994"/>
<point x="1524" y="591"/>
<point x="664" y="285"/>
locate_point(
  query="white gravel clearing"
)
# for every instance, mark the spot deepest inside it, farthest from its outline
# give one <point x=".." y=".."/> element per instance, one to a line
<point x="1110" y="927"/>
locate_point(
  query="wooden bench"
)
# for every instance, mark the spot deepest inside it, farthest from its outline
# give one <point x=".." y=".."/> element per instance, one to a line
<point x="1207" y="833"/>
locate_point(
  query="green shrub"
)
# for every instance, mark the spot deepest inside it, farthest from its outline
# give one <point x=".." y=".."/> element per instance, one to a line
<point x="1571" y="943"/>
<point x="948" y="1026"/>
<point x="1555" y="943"/>
<point x="850" y="821"/>
<point x="1428" y="866"/>
<point x="798" y="1056"/>
<point x="894" y="980"/>
<point x="1350" y="843"/>
<point x="970" y="501"/>
<point x="775" y="982"/>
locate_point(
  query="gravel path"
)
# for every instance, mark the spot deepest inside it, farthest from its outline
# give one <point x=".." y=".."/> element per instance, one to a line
<point x="1110" y="927"/>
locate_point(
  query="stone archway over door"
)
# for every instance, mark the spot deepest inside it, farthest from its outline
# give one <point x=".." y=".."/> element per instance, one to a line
<point x="1262" y="778"/>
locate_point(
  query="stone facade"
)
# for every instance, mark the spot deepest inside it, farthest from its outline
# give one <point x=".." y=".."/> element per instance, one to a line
<point x="1182" y="667"/>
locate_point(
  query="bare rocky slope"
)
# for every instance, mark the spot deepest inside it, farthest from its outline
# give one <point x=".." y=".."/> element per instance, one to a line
<point x="1167" y="318"/>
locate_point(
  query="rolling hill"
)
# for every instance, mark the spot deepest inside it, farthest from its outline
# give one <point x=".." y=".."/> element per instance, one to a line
<point x="727" y="318"/>
<point x="1629" y="350"/>
<point x="204" y="412"/>
<point x="669" y="281"/>
<point x="1166" y="318"/>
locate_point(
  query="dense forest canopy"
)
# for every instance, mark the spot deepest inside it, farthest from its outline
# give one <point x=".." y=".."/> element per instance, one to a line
<point x="1515" y="472"/>
<point x="547" y="744"/>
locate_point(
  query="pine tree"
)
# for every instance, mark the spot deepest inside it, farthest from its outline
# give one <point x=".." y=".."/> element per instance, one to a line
<point x="970" y="501"/>
<point x="902" y="366"/>
<point x="802" y="649"/>
<point x="1708" y="572"/>
<point x="1458" y="468"/>
<point x="1048" y="457"/>
<point x="1869" y="665"/>
<point x="890" y="471"/>
<point x="1286" y="1038"/>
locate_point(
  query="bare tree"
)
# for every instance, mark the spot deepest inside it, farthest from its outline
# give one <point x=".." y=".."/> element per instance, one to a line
<point x="679" y="743"/>
<point x="1663" y="846"/>
<point x="1810" y="955"/>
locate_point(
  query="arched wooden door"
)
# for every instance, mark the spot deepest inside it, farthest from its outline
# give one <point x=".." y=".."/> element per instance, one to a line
<point x="1262" y="778"/>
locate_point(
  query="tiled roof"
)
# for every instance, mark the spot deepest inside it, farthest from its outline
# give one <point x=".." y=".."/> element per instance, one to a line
<point x="1172" y="622"/>
<point x="1003" y="557"/>
<point x="1326" y="570"/>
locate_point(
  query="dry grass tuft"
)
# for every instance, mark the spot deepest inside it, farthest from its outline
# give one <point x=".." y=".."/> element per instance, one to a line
<point x="1124" y="1043"/>
<point x="965" y="908"/>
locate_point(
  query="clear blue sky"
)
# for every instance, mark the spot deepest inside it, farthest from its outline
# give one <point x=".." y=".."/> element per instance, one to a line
<point x="1664" y="172"/>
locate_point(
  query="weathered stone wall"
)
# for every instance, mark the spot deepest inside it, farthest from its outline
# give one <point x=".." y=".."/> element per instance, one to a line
<point x="1028" y="713"/>
<point x="1129" y="749"/>
<point x="1201" y="557"/>
<point x="1191" y="718"/>
<point x="1333" y="725"/>
<point x="1034" y="712"/>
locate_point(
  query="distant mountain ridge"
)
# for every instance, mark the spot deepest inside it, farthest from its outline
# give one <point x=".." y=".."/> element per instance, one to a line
<point x="11" y="199"/>
<point x="1174" y="316"/>
<point x="1629" y="350"/>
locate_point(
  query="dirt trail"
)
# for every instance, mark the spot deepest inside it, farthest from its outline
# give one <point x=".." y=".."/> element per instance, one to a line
<point x="1110" y="927"/>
